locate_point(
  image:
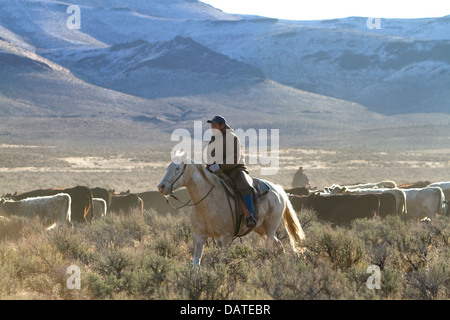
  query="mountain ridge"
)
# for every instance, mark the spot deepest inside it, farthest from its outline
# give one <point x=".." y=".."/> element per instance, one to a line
<point x="136" y="71"/>
<point x="163" y="61"/>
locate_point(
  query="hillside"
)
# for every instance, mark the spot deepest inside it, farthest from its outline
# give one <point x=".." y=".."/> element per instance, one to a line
<point x="401" y="68"/>
<point x="137" y="70"/>
<point x="161" y="69"/>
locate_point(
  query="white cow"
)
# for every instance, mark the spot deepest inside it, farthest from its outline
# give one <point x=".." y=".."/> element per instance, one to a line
<point x="51" y="210"/>
<point x="100" y="207"/>
<point x="382" y="184"/>
<point x="425" y="202"/>
<point x="400" y="196"/>
<point x="445" y="186"/>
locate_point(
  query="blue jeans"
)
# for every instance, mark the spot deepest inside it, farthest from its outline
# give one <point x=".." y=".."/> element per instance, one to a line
<point x="248" y="200"/>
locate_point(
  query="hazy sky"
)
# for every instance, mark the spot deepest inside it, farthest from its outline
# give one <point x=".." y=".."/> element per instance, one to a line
<point x="329" y="9"/>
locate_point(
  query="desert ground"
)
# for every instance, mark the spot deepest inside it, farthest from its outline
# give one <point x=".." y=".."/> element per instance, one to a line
<point x="27" y="167"/>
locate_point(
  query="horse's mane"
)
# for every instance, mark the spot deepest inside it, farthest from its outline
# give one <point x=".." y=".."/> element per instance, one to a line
<point x="210" y="177"/>
<point x="207" y="175"/>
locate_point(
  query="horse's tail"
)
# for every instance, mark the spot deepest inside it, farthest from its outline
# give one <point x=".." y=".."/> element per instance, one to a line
<point x="441" y="203"/>
<point x="292" y="225"/>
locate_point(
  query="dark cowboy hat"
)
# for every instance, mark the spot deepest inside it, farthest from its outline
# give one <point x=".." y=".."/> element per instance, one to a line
<point x="218" y="119"/>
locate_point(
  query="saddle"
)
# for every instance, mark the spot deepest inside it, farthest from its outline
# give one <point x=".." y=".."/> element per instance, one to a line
<point x="261" y="189"/>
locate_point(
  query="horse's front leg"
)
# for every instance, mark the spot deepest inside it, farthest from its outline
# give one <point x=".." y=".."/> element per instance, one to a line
<point x="199" y="240"/>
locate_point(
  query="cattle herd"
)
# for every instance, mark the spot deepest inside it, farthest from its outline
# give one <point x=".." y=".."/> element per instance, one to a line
<point x="342" y="204"/>
<point x="337" y="204"/>
<point x="78" y="204"/>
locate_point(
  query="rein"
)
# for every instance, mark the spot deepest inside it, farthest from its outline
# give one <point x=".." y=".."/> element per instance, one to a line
<point x="187" y="203"/>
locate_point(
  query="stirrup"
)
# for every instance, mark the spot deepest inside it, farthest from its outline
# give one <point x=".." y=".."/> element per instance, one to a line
<point x="250" y="222"/>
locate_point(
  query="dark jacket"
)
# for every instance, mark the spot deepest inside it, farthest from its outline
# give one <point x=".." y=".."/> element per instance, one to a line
<point x="300" y="179"/>
<point x="231" y="160"/>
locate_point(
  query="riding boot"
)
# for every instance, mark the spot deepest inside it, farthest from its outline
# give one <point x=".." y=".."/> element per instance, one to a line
<point x="250" y="222"/>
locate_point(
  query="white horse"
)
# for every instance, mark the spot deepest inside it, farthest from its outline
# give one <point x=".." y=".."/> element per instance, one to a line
<point x="211" y="210"/>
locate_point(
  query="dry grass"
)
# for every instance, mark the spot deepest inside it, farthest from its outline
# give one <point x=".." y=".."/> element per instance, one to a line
<point x="149" y="257"/>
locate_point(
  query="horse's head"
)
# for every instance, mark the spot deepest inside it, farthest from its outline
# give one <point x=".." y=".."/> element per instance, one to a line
<point x="173" y="178"/>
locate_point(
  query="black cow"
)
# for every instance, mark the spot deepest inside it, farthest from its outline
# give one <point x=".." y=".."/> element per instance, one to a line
<point x="297" y="202"/>
<point x="155" y="200"/>
<point x="388" y="204"/>
<point x="342" y="209"/>
<point x="98" y="192"/>
<point x="299" y="191"/>
<point x="126" y="203"/>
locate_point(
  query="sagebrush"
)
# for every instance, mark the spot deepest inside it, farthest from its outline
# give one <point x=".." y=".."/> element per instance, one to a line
<point x="150" y="257"/>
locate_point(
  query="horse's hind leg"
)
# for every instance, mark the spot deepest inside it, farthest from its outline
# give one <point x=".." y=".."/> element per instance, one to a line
<point x="270" y="238"/>
<point x="198" y="248"/>
<point x="225" y="240"/>
<point x="272" y="242"/>
<point x="278" y="244"/>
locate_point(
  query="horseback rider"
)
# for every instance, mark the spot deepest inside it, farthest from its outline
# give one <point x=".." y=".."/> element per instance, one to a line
<point x="225" y="156"/>
<point x="300" y="179"/>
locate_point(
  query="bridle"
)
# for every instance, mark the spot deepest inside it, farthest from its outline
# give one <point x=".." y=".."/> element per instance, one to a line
<point x="173" y="196"/>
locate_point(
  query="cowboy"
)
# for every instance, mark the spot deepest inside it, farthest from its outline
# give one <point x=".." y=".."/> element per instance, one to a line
<point x="300" y="179"/>
<point x="225" y="156"/>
